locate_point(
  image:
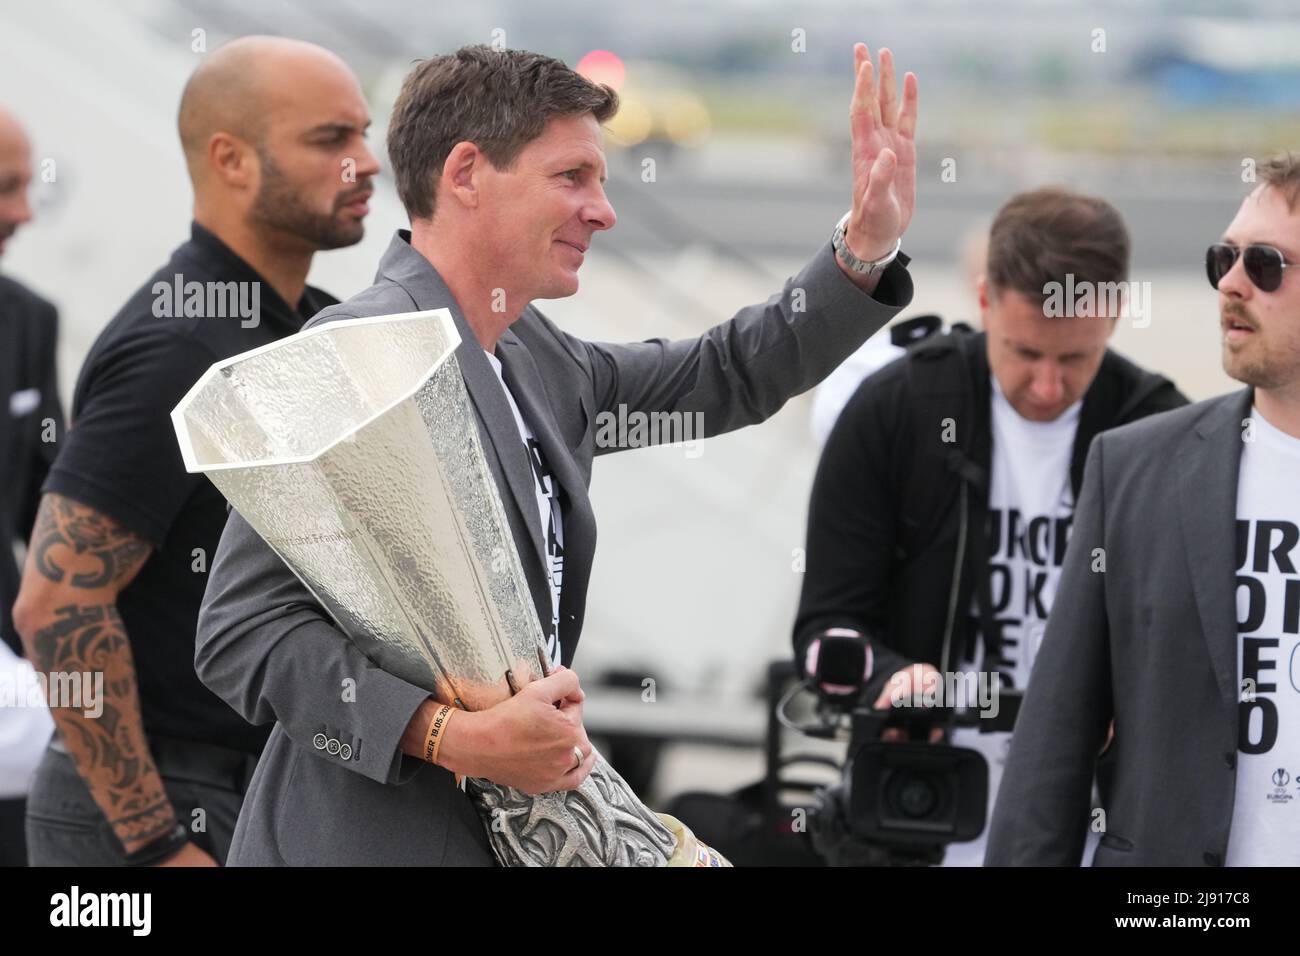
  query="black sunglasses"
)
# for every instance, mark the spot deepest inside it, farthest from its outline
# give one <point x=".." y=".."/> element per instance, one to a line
<point x="1264" y="264"/>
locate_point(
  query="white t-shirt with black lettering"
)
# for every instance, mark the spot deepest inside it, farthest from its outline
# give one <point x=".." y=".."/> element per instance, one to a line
<point x="1266" y="813"/>
<point x="1031" y="507"/>
<point x="548" y="511"/>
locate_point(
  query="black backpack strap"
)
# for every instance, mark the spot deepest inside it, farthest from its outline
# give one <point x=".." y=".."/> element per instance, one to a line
<point x="938" y="389"/>
<point x="943" y="392"/>
<point x="913" y="330"/>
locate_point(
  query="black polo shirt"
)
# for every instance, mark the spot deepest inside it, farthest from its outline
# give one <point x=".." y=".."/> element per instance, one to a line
<point x="121" y="457"/>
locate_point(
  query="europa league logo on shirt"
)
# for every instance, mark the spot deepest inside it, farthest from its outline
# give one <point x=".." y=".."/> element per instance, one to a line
<point x="1280" y="778"/>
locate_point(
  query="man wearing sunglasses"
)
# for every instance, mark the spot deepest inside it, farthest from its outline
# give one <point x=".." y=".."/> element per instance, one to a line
<point x="1178" y="611"/>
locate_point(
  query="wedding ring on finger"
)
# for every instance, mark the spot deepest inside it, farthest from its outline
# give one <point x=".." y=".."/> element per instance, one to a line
<point x="577" y="754"/>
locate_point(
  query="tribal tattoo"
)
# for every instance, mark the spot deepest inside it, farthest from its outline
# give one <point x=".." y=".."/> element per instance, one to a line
<point x="75" y="547"/>
<point x="70" y="537"/>
<point x="110" y="751"/>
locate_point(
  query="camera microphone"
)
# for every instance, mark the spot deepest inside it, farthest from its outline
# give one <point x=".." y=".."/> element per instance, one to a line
<point x="838" y="664"/>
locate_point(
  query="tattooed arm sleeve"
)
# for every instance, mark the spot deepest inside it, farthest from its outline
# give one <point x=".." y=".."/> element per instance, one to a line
<point x="78" y="561"/>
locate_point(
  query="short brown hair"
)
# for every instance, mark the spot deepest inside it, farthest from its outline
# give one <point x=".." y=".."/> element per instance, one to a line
<point x="499" y="100"/>
<point x="1282" y="172"/>
<point x="1041" y="236"/>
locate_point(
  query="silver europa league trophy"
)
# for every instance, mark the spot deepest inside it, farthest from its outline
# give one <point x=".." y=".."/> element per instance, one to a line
<point x="352" y="449"/>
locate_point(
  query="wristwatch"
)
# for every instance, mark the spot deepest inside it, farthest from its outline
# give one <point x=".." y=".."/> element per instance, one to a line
<point x="860" y="266"/>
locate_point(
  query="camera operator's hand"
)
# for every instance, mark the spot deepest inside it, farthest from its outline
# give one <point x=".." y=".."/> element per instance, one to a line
<point x="526" y="742"/>
<point x="900" y="690"/>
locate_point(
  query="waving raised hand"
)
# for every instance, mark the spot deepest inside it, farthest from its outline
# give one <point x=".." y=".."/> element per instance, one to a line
<point x="884" y="155"/>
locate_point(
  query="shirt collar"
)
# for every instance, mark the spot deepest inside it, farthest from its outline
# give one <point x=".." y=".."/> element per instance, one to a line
<point x="272" y="305"/>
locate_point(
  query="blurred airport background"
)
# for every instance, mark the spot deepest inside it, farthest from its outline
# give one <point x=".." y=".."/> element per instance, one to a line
<point x="742" y="106"/>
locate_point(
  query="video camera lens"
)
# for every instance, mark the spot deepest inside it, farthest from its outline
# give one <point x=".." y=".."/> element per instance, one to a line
<point x="913" y="796"/>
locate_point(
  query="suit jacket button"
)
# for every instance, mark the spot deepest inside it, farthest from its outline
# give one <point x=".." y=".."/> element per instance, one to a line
<point x="345" y="751"/>
<point x="1211" y="859"/>
<point x="332" y="747"/>
<point x="319" y="741"/>
<point x="1230" y="759"/>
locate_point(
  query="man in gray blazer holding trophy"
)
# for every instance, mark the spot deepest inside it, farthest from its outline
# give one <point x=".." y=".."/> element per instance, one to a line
<point x="498" y="160"/>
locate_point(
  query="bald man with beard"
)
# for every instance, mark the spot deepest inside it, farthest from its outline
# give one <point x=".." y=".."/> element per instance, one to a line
<point x="148" y="767"/>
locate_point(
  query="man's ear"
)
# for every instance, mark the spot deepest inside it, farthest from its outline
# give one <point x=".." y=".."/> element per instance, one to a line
<point x="231" y="160"/>
<point x="982" y="294"/>
<point x="461" y="175"/>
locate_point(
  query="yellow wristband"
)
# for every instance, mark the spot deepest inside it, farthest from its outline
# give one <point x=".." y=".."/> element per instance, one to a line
<point x="437" y="727"/>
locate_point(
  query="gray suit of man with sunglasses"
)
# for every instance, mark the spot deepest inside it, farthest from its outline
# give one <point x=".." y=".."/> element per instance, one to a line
<point x="509" y="229"/>
<point x="1159" y="624"/>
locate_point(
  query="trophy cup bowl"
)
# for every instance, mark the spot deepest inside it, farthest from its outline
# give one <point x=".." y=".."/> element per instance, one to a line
<point x="352" y="449"/>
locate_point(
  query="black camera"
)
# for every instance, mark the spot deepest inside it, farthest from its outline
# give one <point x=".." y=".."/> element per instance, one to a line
<point x="902" y="797"/>
<point x="900" y="801"/>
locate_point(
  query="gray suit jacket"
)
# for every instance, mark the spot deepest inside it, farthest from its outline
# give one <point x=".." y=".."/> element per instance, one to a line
<point x="1151" y="643"/>
<point x="266" y="647"/>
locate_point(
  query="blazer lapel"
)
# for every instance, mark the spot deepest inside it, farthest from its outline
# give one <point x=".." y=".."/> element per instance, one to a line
<point x="499" y="421"/>
<point x="1207" y="496"/>
<point x="525" y="381"/>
